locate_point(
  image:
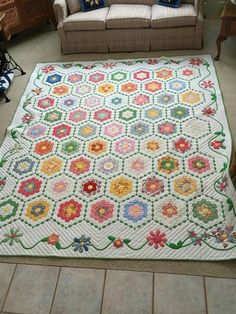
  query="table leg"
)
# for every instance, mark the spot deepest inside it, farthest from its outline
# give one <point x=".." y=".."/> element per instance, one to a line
<point x="218" y="44"/>
<point x="11" y="64"/>
<point x="3" y="94"/>
<point x="232" y="169"/>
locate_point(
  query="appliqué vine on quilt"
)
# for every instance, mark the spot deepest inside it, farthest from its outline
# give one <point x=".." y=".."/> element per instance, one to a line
<point x="123" y="158"/>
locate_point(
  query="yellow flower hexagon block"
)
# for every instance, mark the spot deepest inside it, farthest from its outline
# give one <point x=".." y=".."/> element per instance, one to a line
<point x="121" y="186"/>
<point x="51" y="166"/>
<point x="191" y="97"/>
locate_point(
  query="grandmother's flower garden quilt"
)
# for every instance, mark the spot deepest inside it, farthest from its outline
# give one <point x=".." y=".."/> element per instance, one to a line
<point x="119" y="159"/>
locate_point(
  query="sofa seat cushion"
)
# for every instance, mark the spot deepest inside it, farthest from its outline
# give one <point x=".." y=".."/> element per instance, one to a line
<point x="129" y="16"/>
<point x="164" y="17"/>
<point x="86" y="21"/>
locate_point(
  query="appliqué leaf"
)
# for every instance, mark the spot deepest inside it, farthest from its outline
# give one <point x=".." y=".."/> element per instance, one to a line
<point x="5" y="240"/>
<point x="58" y="245"/>
<point x="206" y="64"/>
<point x="44" y="239"/>
<point x="126" y="241"/>
<point x="173" y="246"/>
<point x="220" y="133"/>
<point x="2" y="162"/>
<point x="111" y="238"/>
<point x="213" y="96"/>
<point x="225" y="165"/>
<point x="230" y="203"/>
<point x="180" y="244"/>
<point x="13" y="134"/>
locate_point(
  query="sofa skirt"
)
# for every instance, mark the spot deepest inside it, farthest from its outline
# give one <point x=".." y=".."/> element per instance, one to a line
<point x="128" y="40"/>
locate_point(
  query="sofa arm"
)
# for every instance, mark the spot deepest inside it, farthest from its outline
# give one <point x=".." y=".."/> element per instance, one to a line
<point x="60" y="9"/>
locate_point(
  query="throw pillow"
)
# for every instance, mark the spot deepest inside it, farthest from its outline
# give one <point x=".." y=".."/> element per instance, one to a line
<point x="170" y="3"/>
<point x="88" y="5"/>
<point x="73" y="5"/>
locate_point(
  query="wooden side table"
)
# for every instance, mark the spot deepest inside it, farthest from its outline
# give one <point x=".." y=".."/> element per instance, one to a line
<point x="23" y="14"/>
<point x="4" y="32"/>
<point x="228" y="25"/>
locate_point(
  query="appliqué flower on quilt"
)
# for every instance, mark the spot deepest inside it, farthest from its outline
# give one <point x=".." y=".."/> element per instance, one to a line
<point x="119" y="159"/>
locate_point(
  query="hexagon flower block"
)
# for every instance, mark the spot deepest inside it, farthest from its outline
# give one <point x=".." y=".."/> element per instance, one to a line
<point x="87" y="130"/>
<point x="46" y="102"/>
<point x="51" y="166"/>
<point x="153" y="86"/>
<point x="164" y="74"/>
<point x="54" y="78"/>
<point x="69" y="210"/>
<point x="129" y="87"/>
<point x="30" y="186"/>
<point x="121" y="186"/>
<point x="61" y="130"/>
<point x="113" y="129"/>
<point x="141" y="75"/>
<point x="102" y="115"/>
<point x="102" y="211"/>
<point x="96" y="77"/>
<point x="80" y="165"/>
<point x="43" y="147"/>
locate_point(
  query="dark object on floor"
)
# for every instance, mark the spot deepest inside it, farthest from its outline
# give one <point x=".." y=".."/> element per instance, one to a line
<point x="3" y="62"/>
<point x="228" y="25"/>
<point x="7" y="67"/>
<point x="5" y="81"/>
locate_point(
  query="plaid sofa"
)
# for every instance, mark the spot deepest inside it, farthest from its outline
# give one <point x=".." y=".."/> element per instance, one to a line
<point x="129" y="25"/>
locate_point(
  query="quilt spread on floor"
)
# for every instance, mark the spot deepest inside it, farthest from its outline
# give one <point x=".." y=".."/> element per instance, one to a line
<point x="119" y="159"/>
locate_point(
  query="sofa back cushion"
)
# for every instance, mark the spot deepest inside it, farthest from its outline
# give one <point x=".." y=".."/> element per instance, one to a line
<point x="73" y="5"/>
<point x="145" y="2"/>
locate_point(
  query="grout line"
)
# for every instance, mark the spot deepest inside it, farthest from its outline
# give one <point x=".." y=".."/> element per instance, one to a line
<point x="103" y="290"/>
<point x="13" y="274"/>
<point x="153" y="290"/>
<point x="12" y="313"/>
<point x="54" y="294"/>
<point x="205" y="293"/>
<point x="121" y="269"/>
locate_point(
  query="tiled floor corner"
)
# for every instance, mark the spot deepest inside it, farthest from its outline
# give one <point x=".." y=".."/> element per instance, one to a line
<point x="179" y="294"/>
<point x="6" y="274"/>
<point x="30" y="289"/>
<point x="221" y="295"/>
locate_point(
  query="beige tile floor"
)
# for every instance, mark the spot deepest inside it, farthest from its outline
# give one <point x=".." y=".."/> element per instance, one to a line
<point x="31" y="289"/>
<point x="146" y="288"/>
